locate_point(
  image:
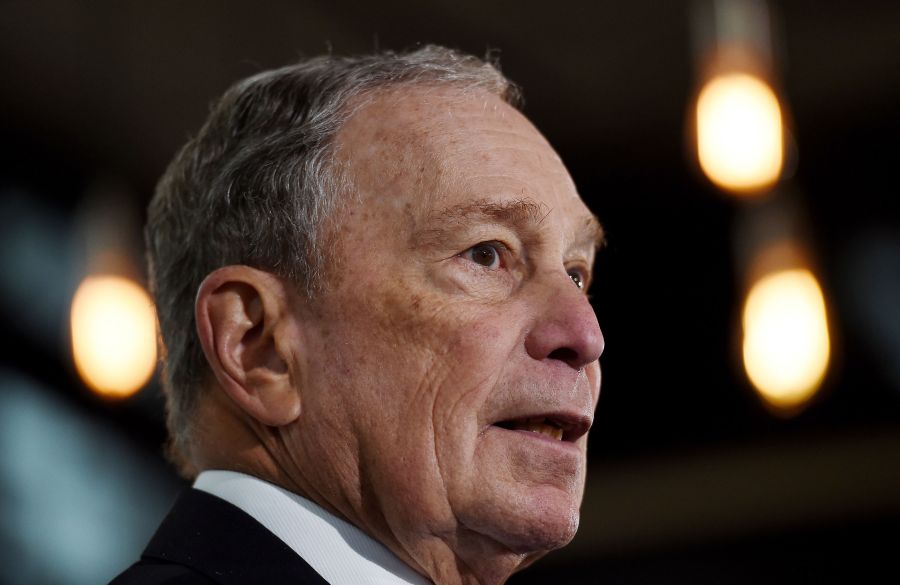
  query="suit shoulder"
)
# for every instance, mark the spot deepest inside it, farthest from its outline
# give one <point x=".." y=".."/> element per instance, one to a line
<point x="148" y="572"/>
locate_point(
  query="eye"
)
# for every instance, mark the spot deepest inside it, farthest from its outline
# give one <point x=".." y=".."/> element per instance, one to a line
<point x="485" y="254"/>
<point x="577" y="277"/>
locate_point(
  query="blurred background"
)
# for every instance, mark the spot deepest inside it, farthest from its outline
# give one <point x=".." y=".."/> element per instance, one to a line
<point x="742" y="157"/>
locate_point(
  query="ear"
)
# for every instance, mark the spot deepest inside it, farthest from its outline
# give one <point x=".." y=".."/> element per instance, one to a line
<point x="249" y="336"/>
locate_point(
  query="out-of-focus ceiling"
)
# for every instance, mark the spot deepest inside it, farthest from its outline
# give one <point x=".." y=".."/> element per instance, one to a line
<point x="122" y="83"/>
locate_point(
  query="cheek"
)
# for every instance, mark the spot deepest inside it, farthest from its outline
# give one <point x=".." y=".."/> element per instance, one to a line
<point x="478" y="359"/>
<point x="412" y="374"/>
<point x="452" y="347"/>
<point x="456" y="367"/>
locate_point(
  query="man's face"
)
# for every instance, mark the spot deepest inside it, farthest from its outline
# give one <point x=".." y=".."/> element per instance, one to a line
<point x="453" y="368"/>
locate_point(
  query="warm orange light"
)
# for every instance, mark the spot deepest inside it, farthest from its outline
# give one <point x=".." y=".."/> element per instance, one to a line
<point x="739" y="133"/>
<point x="786" y="345"/>
<point x="113" y="335"/>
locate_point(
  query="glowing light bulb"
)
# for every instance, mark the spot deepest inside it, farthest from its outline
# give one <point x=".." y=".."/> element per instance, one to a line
<point x="113" y="335"/>
<point x="739" y="133"/>
<point x="786" y="345"/>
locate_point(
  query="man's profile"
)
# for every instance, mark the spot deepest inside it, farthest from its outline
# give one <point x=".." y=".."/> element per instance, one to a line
<point x="381" y="362"/>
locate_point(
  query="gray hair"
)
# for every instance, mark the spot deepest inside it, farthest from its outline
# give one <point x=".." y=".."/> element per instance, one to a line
<point x="256" y="184"/>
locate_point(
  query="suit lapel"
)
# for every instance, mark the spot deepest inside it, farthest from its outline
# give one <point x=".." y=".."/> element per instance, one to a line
<point x="226" y="544"/>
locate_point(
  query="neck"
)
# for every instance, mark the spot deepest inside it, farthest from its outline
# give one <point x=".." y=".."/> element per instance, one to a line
<point x="227" y="440"/>
<point x="464" y="559"/>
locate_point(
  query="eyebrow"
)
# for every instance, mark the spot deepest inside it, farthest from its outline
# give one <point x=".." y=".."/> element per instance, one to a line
<point x="593" y="233"/>
<point x="515" y="213"/>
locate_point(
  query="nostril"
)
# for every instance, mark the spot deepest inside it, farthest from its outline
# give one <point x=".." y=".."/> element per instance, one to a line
<point x="564" y="354"/>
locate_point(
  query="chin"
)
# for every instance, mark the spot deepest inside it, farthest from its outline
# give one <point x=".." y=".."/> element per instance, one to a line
<point x="544" y="534"/>
<point x="533" y="523"/>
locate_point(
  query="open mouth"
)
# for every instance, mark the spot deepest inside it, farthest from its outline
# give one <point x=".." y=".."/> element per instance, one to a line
<point x="556" y="428"/>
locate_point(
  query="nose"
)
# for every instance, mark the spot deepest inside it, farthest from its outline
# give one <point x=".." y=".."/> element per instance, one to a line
<point x="567" y="329"/>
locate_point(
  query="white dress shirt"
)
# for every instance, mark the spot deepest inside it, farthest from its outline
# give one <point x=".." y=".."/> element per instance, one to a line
<point x="337" y="550"/>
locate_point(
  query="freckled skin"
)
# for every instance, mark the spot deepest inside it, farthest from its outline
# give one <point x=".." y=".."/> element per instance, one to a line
<point x="413" y="353"/>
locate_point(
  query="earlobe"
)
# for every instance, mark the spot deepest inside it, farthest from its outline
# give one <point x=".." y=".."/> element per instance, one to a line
<point x="246" y="326"/>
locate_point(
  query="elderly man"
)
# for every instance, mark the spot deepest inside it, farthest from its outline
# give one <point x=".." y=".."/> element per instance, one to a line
<point x="381" y="361"/>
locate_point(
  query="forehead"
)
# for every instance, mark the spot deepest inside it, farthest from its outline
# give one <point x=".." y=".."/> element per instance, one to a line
<point x="421" y="151"/>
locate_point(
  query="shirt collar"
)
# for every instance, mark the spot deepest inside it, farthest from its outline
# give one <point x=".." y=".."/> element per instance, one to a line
<point x="340" y="552"/>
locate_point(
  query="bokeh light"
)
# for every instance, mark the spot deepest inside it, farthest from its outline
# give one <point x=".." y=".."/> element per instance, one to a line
<point x="786" y="344"/>
<point x="739" y="133"/>
<point x="113" y="335"/>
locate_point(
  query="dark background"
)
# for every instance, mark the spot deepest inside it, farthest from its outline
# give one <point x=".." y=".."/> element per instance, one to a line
<point x="691" y="479"/>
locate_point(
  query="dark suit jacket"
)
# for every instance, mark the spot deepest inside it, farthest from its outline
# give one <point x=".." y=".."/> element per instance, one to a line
<point x="205" y="540"/>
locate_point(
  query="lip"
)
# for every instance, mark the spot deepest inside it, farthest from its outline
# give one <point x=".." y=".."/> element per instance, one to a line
<point x="573" y="424"/>
<point x="537" y="443"/>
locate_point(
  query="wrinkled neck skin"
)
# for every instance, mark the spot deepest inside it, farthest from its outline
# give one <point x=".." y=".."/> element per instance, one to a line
<point x="477" y="560"/>
<point x="226" y="439"/>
